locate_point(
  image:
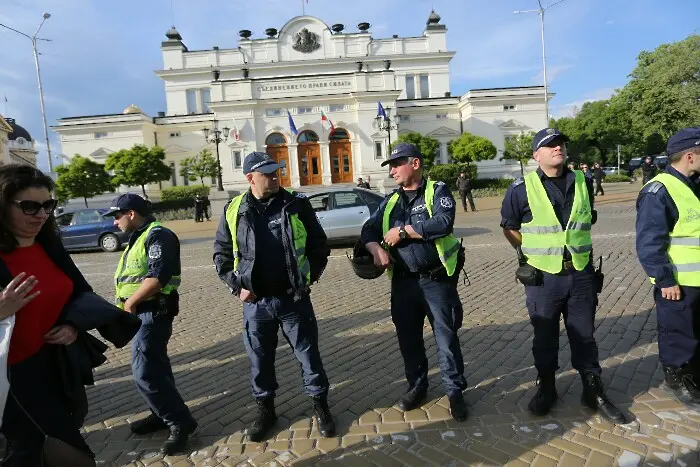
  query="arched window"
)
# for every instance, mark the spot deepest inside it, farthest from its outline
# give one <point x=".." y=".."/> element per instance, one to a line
<point x="339" y="134"/>
<point x="307" y="137"/>
<point x="275" y="138"/>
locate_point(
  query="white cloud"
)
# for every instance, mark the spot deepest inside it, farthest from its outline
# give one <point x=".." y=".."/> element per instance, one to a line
<point x="553" y="71"/>
<point x="568" y="110"/>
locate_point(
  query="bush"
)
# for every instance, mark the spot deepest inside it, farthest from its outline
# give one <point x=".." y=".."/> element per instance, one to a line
<point x="448" y="173"/>
<point x="614" y="178"/>
<point x="175" y="214"/>
<point x="492" y="183"/>
<point x="177" y="193"/>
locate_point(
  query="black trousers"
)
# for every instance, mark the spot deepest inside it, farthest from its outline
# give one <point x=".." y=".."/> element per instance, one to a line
<point x="467" y="195"/>
<point x="599" y="187"/>
<point x="36" y="383"/>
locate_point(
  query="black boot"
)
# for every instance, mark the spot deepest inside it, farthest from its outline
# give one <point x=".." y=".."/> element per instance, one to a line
<point x="546" y="395"/>
<point x="458" y="408"/>
<point x="594" y="397"/>
<point x="413" y="399"/>
<point x="150" y="424"/>
<point x="179" y="436"/>
<point x="265" y="420"/>
<point x="683" y="384"/>
<point x="326" y="425"/>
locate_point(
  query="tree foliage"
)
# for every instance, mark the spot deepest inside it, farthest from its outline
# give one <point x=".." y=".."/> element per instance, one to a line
<point x="519" y="148"/>
<point x="139" y="166"/>
<point x="469" y="148"/>
<point x="200" y="166"/>
<point x="82" y="178"/>
<point x="428" y="146"/>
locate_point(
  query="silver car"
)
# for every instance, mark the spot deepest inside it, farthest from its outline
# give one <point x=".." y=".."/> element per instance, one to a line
<point x="342" y="213"/>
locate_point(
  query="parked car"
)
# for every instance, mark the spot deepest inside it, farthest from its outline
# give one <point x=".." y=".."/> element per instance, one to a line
<point x="342" y="213"/>
<point x="633" y="164"/>
<point x="610" y="170"/>
<point x="661" y="161"/>
<point x="89" y="228"/>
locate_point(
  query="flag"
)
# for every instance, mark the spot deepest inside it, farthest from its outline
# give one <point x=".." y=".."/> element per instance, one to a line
<point x="234" y="131"/>
<point x="381" y="111"/>
<point x="324" y="118"/>
<point x="292" y="126"/>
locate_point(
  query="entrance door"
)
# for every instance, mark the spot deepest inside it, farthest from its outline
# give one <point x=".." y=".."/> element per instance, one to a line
<point x="310" y="164"/>
<point x="341" y="162"/>
<point x="281" y="155"/>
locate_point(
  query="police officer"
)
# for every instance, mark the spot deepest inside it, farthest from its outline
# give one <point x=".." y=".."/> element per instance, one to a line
<point x="146" y="280"/>
<point x="415" y="223"/>
<point x="268" y="249"/>
<point x="549" y="214"/>
<point x="464" y="187"/>
<point x="668" y="246"/>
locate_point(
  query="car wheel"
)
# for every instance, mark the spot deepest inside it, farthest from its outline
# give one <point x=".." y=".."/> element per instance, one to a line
<point x="109" y="242"/>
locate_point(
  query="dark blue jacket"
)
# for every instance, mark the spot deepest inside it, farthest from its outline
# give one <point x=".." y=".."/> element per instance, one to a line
<point x="253" y="274"/>
<point x="415" y="255"/>
<point x="657" y="214"/>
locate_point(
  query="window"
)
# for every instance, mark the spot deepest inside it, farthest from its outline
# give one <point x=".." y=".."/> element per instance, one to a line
<point x="339" y="134"/>
<point x="275" y="138"/>
<point x="175" y="134"/>
<point x="273" y="112"/>
<point x="173" y="174"/>
<point x="347" y="199"/>
<point x="378" y="153"/>
<point x="441" y="116"/>
<point x="508" y="107"/>
<point x="319" y="202"/>
<point x="205" y="95"/>
<point x="64" y="219"/>
<point x="404" y="118"/>
<point x="305" y="110"/>
<point x="87" y="217"/>
<point x="97" y="136"/>
<point x="424" y="87"/>
<point x="191" y="101"/>
<point x="236" y="159"/>
<point x="307" y="137"/>
<point x="336" y="108"/>
<point x="410" y="87"/>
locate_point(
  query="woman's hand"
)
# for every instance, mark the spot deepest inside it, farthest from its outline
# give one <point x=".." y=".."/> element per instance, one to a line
<point x="64" y="334"/>
<point x="17" y="294"/>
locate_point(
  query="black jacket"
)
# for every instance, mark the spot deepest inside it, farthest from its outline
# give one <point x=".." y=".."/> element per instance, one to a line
<point x="85" y="311"/>
<point x="317" y="250"/>
<point x="464" y="184"/>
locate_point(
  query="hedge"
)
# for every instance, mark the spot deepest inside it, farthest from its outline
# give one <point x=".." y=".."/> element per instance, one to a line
<point x="177" y="193"/>
<point x="448" y="173"/>
<point x="615" y="178"/>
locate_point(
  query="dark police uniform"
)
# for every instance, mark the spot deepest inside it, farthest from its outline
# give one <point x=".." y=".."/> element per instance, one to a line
<point x="268" y="264"/>
<point x="414" y="294"/>
<point x="678" y="320"/>
<point x="571" y="292"/>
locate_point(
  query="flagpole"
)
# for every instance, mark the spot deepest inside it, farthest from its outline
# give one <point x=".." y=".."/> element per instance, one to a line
<point x="303" y="8"/>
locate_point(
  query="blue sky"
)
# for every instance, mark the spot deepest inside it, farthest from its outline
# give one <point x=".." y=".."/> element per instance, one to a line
<point x="103" y="54"/>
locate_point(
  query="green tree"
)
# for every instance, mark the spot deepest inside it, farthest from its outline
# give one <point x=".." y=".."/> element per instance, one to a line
<point x="428" y="147"/>
<point x="519" y="148"/>
<point x="469" y="149"/>
<point x="138" y="166"/>
<point x="200" y="166"/>
<point x="82" y="178"/>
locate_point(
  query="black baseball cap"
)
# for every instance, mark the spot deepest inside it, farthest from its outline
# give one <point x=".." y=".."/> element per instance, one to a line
<point x="687" y="138"/>
<point x="403" y="150"/>
<point x="129" y="202"/>
<point x="260" y="162"/>
<point x="546" y="135"/>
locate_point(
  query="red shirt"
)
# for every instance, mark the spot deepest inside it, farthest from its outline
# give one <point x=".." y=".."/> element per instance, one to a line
<point x="37" y="317"/>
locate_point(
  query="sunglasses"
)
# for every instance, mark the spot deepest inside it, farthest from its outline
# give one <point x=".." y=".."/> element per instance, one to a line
<point x="554" y="143"/>
<point x="31" y="208"/>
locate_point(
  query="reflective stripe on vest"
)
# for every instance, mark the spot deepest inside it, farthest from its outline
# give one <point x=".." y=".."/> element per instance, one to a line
<point x="132" y="272"/>
<point x="447" y="247"/>
<point x="684" y="240"/>
<point x="544" y="240"/>
<point x="298" y="236"/>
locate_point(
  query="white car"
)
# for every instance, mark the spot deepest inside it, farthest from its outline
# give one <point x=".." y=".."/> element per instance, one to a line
<point x="342" y="213"/>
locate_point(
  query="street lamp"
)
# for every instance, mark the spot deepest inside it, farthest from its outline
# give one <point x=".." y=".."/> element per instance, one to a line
<point x="541" y="12"/>
<point x="215" y="138"/>
<point x="384" y="124"/>
<point x="38" y="78"/>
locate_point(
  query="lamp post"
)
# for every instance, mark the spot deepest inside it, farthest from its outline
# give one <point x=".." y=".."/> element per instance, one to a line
<point x="385" y="124"/>
<point x="38" y="78"/>
<point x="215" y="138"/>
<point x="540" y="11"/>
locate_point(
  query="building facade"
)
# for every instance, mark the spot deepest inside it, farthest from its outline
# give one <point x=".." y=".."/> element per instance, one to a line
<point x="16" y="144"/>
<point x="296" y="75"/>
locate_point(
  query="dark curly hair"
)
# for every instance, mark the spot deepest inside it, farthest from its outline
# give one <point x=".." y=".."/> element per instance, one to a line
<point x="13" y="179"/>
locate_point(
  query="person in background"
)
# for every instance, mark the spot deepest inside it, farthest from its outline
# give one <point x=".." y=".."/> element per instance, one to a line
<point x="598" y="176"/>
<point x="464" y="187"/>
<point x="198" y="206"/>
<point x="648" y="170"/>
<point x="586" y="172"/>
<point x="206" y="205"/>
<point x="362" y="184"/>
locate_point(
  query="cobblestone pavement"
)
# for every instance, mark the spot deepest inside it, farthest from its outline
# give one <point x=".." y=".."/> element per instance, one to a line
<point x="361" y="356"/>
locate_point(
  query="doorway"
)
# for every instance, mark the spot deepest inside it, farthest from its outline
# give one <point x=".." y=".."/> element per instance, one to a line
<point x="310" y="172"/>
<point x="341" y="156"/>
<point x="276" y="147"/>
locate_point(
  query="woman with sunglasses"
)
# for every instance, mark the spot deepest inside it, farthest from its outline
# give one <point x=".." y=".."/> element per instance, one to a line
<point x="37" y="279"/>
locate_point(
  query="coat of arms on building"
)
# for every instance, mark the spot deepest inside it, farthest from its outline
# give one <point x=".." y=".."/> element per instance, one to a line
<point x="306" y="41"/>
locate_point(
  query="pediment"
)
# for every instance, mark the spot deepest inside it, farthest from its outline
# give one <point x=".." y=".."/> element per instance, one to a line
<point x="101" y="153"/>
<point x="513" y="124"/>
<point x="443" y="131"/>
<point x="175" y="149"/>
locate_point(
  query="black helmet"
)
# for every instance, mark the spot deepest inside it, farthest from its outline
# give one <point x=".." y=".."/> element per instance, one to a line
<point x="363" y="262"/>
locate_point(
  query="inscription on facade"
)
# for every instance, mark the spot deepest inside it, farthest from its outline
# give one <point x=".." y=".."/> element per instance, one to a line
<point x="305" y="85"/>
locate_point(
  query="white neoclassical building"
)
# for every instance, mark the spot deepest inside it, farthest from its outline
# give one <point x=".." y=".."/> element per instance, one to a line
<point x="299" y="73"/>
<point x="16" y="144"/>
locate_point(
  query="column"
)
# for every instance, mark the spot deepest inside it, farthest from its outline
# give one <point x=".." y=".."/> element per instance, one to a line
<point x="294" y="165"/>
<point x="326" y="174"/>
<point x="358" y="164"/>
